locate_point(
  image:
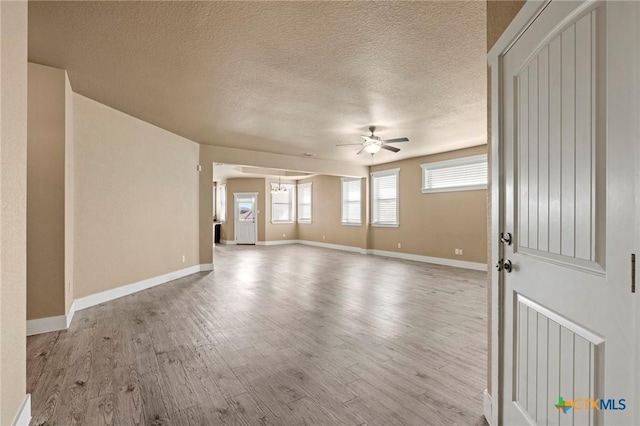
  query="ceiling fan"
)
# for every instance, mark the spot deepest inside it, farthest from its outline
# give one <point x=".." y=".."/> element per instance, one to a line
<point x="372" y="144"/>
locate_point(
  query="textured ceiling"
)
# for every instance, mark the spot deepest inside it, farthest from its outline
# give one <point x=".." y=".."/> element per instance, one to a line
<point x="281" y="77"/>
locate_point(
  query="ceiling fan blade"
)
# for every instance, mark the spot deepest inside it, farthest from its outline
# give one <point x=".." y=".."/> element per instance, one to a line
<point x="360" y="152"/>
<point x="396" y="140"/>
<point x="348" y="144"/>
<point x="390" y="148"/>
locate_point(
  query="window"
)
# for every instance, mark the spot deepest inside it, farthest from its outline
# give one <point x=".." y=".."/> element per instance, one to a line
<point x="384" y="197"/>
<point x="304" y="202"/>
<point x="214" y="199"/>
<point x="222" y="217"/>
<point x="282" y="203"/>
<point x="351" y="188"/>
<point x="460" y="174"/>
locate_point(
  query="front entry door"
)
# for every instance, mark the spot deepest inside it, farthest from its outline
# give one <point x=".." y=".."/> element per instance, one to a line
<point x="245" y="217"/>
<point x="568" y="199"/>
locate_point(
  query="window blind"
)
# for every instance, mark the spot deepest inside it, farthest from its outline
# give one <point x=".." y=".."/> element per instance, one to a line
<point x="455" y="175"/>
<point x="282" y="204"/>
<point x="304" y="202"/>
<point x="223" y="203"/>
<point x="351" y="191"/>
<point x="385" y="197"/>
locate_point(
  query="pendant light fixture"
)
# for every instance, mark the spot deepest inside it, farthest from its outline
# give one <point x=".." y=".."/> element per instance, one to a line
<point x="279" y="189"/>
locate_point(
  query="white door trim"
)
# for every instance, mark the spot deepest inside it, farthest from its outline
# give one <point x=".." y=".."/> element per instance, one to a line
<point x="236" y="216"/>
<point x="520" y="23"/>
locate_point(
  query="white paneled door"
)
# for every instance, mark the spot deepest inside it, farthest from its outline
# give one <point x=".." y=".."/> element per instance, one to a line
<point x="568" y="141"/>
<point x="245" y="213"/>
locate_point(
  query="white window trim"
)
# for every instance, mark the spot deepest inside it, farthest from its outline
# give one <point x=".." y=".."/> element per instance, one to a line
<point x="304" y="185"/>
<point x="452" y="163"/>
<point x="383" y="173"/>
<point x="342" y="181"/>
<point x="222" y="217"/>
<point x="292" y="203"/>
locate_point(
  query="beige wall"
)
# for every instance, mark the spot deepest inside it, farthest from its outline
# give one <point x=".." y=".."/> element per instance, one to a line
<point x="136" y="199"/>
<point x="235" y="185"/>
<point x="13" y="201"/>
<point x="435" y="224"/>
<point x="500" y="13"/>
<point x="46" y="140"/>
<point x="277" y="231"/>
<point x="327" y="215"/>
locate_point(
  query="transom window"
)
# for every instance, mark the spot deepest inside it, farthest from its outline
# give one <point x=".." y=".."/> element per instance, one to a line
<point x="460" y="174"/>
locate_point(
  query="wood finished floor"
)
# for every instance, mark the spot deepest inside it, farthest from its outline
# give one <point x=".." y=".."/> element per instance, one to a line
<point x="280" y="335"/>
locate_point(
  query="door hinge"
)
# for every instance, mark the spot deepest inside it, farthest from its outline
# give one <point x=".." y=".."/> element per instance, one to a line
<point x="633" y="273"/>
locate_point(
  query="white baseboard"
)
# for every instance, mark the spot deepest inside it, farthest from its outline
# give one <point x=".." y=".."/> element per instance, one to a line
<point x="62" y="322"/>
<point x="48" y="324"/>
<point x="45" y="325"/>
<point x="276" y="242"/>
<point x="333" y="246"/>
<point x="72" y="310"/>
<point x="487" y="406"/>
<point x="206" y="267"/>
<point x="23" y="417"/>
<point x="406" y="256"/>
<point x="311" y="243"/>
<point x="125" y="290"/>
<point x="228" y="242"/>
<point x="428" y="259"/>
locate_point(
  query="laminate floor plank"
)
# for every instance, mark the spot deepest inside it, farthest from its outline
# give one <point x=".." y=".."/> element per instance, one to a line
<point x="46" y="396"/>
<point x="375" y="413"/>
<point x="100" y="410"/>
<point x="128" y="408"/>
<point x="309" y="413"/>
<point x="174" y="384"/>
<point x="155" y="403"/>
<point x="249" y="411"/>
<point x="72" y="407"/>
<point x="38" y="353"/>
<point x="278" y="335"/>
<point x="216" y="369"/>
<point x="329" y="403"/>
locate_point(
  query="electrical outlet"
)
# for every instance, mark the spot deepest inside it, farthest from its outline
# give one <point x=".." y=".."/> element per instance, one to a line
<point x="460" y="252"/>
<point x="284" y="235"/>
<point x="456" y="251"/>
<point x="323" y="237"/>
<point x="184" y="258"/>
<point x="399" y="245"/>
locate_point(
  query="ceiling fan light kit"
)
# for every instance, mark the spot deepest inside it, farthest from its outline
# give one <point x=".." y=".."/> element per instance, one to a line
<point x="373" y="144"/>
<point x="372" y="148"/>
